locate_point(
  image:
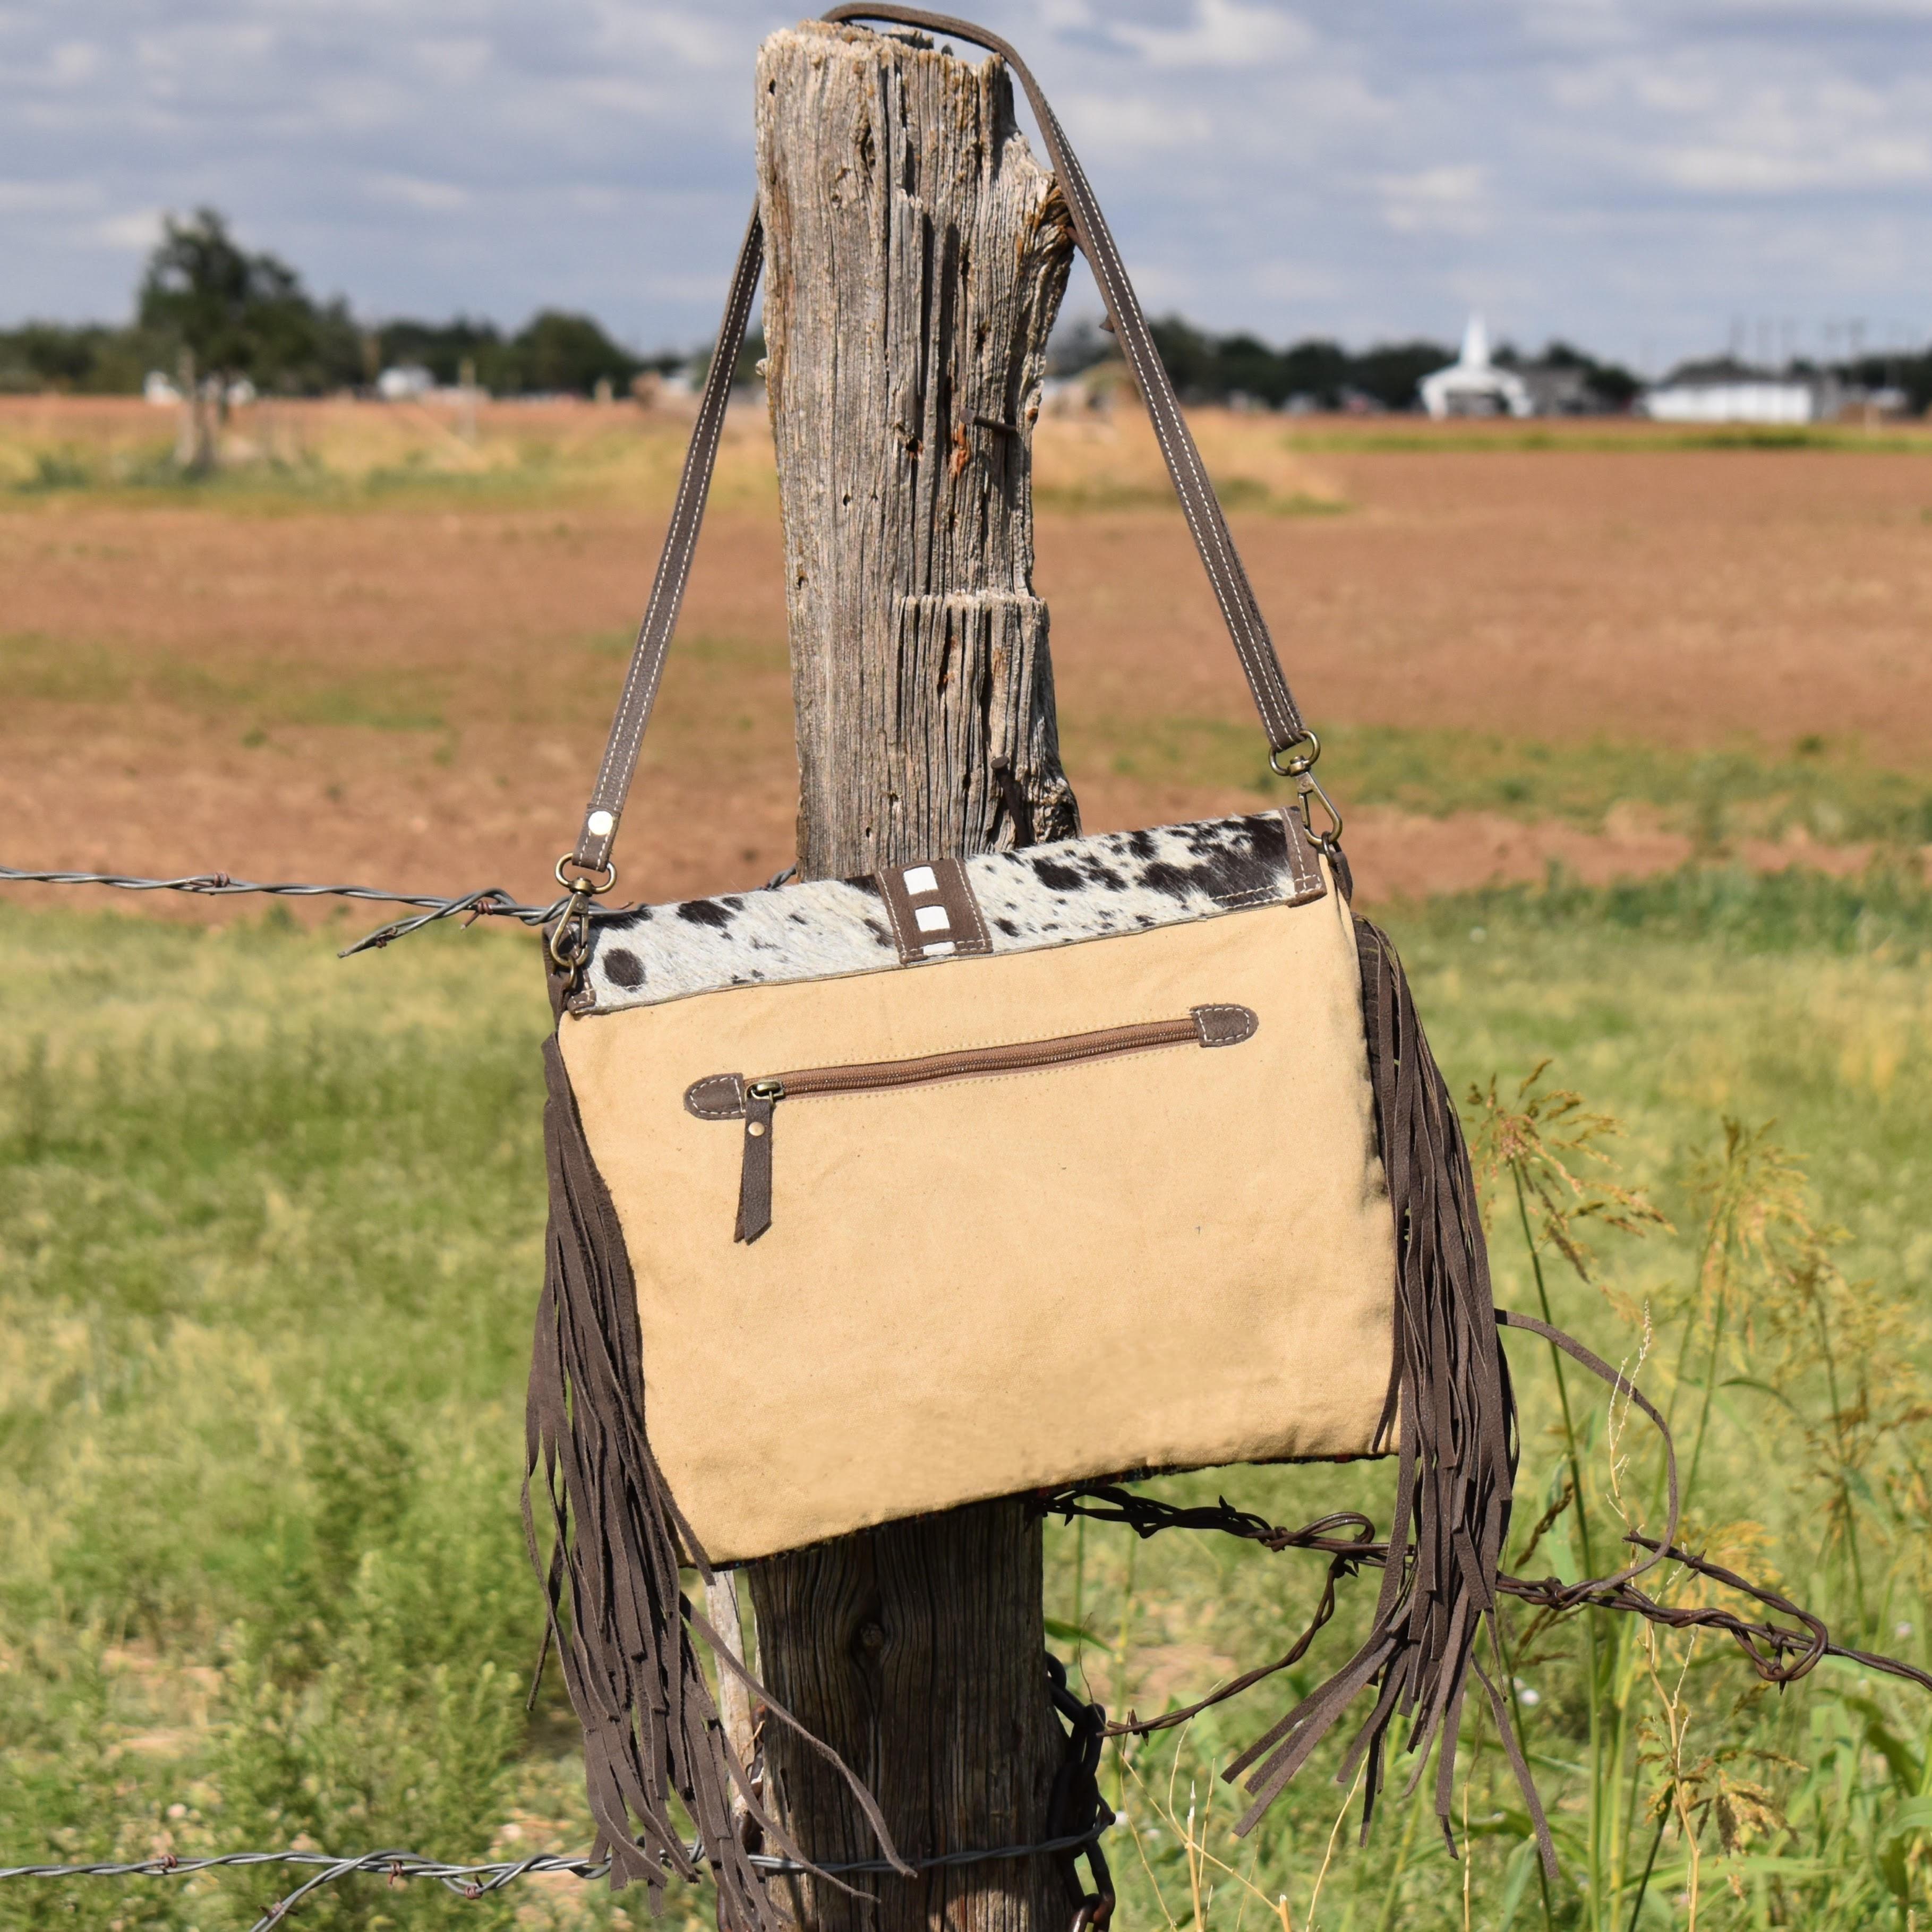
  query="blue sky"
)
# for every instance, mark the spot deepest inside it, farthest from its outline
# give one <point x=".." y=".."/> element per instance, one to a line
<point x="1644" y="176"/>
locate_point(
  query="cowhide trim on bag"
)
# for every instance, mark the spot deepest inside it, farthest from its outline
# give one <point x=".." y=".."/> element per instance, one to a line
<point x="1099" y="887"/>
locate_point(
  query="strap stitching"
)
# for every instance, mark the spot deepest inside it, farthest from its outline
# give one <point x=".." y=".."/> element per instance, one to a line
<point x="1240" y="621"/>
<point x="730" y="1110"/>
<point x="1227" y="577"/>
<point x="1250" y="1021"/>
<point x="1306" y="874"/>
<point x="651" y="663"/>
<point x="906" y="952"/>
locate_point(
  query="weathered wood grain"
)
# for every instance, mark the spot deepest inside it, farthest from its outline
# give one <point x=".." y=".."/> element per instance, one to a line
<point x="917" y="254"/>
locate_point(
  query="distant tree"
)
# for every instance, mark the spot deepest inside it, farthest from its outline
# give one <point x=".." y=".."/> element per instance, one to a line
<point x="1392" y="372"/>
<point x="1078" y="345"/>
<point x="565" y="353"/>
<point x="1612" y="385"/>
<point x="1209" y="368"/>
<point x="1246" y="366"/>
<point x="743" y="377"/>
<point x="1911" y="373"/>
<point x="1318" y="369"/>
<point x="443" y="347"/>
<point x="241" y="314"/>
<point x="83" y="358"/>
<point x="1188" y="354"/>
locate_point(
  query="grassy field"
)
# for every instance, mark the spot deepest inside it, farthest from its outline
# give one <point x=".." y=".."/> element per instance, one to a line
<point x="270" y="1230"/>
<point x="269" y="1223"/>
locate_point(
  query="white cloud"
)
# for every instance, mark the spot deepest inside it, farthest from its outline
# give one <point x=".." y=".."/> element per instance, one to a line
<point x="433" y="197"/>
<point x="1451" y="199"/>
<point x="1621" y="172"/>
<point x="72" y="62"/>
<point x="135" y="233"/>
<point x="46" y="197"/>
<point x="1221" y="34"/>
<point x="1753" y="170"/>
<point x="452" y="60"/>
<point x="1131" y="125"/>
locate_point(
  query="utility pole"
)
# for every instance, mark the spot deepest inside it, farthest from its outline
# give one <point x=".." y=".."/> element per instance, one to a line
<point x="916" y="254"/>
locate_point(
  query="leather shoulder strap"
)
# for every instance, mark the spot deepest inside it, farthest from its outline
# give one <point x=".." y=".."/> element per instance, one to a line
<point x="1281" y="719"/>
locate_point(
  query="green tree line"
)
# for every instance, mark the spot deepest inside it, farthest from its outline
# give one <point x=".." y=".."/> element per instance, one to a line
<point x="243" y="314"/>
<point x="240" y="313"/>
<point x="1211" y="368"/>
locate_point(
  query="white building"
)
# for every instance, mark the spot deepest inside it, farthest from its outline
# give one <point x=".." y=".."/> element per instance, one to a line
<point x="1727" y="392"/>
<point x="407" y="383"/>
<point x="1472" y="385"/>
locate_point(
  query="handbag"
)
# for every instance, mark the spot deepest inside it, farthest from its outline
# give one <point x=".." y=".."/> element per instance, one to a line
<point x="1243" y="1229"/>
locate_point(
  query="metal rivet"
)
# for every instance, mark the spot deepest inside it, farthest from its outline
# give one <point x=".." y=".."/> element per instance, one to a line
<point x="601" y="824"/>
<point x="754" y="1128"/>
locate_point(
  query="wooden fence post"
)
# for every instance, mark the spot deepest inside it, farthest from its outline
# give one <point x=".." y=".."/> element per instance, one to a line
<point x="917" y="254"/>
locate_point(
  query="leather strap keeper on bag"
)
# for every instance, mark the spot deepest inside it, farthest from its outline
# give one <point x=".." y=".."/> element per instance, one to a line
<point x="1242" y="1227"/>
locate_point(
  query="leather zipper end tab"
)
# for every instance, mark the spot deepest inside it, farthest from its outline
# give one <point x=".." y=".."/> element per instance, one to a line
<point x="754" y="1184"/>
<point x="1224" y="1026"/>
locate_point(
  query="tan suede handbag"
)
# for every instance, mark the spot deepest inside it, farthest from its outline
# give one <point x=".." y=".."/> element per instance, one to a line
<point x="1244" y="1229"/>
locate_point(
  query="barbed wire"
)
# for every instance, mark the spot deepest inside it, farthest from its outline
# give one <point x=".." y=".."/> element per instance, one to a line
<point x="478" y="1881"/>
<point x="487" y="901"/>
<point x="1778" y="1654"/>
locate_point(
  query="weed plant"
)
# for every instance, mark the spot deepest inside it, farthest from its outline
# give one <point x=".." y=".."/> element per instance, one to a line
<point x="269" y="1243"/>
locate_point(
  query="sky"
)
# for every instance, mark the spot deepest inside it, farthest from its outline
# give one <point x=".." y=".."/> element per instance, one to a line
<point x="1651" y="178"/>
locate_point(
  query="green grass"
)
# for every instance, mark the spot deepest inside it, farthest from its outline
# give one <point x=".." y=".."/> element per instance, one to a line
<point x="307" y="457"/>
<point x="34" y="665"/>
<point x="1825" y="788"/>
<point x="1236" y="492"/>
<point x="269" y="1246"/>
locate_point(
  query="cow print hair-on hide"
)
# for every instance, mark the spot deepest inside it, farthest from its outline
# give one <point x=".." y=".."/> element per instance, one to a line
<point x="1092" y="888"/>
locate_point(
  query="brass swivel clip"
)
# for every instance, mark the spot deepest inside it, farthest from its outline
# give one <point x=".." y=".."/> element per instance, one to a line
<point x="1301" y="767"/>
<point x="570" y="937"/>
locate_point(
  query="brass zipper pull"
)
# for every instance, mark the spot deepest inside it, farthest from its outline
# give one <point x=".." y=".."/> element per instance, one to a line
<point x="755" y="1182"/>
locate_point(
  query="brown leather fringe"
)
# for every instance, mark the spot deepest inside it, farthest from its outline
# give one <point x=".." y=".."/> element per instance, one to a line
<point x="1457" y="1454"/>
<point x="651" y="1727"/>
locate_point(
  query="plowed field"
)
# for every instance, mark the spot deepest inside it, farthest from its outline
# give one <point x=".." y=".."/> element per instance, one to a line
<point x="386" y="656"/>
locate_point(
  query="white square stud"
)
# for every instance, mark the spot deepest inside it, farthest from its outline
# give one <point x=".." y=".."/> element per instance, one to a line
<point x="932" y="918"/>
<point x="920" y="879"/>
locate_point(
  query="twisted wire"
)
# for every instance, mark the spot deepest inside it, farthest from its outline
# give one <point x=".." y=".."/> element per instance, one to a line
<point x="478" y="1881"/>
<point x="486" y="901"/>
<point x="1778" y="1653"/>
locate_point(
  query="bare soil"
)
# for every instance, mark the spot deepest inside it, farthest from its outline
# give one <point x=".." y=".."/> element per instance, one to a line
<point x="412" y="689"/>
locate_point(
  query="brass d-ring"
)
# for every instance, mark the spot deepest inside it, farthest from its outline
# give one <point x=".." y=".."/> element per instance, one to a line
<point x="1302" y="763"/>
<point x="585" y="881"/>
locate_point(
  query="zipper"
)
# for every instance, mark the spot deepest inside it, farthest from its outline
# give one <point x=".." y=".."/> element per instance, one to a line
<point x="730" y="1097"/>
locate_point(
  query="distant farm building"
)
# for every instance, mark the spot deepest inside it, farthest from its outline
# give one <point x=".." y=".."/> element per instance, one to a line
<point x="1473" y="386"/>
<point x="1729" y="392"/>
<point x="407" y="383"/>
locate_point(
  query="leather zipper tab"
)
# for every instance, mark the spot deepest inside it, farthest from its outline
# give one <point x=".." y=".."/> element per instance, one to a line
<point x="730" y="1096"/>
<point x="754" y="1183"/>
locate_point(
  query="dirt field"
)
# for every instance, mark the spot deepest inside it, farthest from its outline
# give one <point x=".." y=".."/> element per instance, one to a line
<point x="392" y="658"/>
